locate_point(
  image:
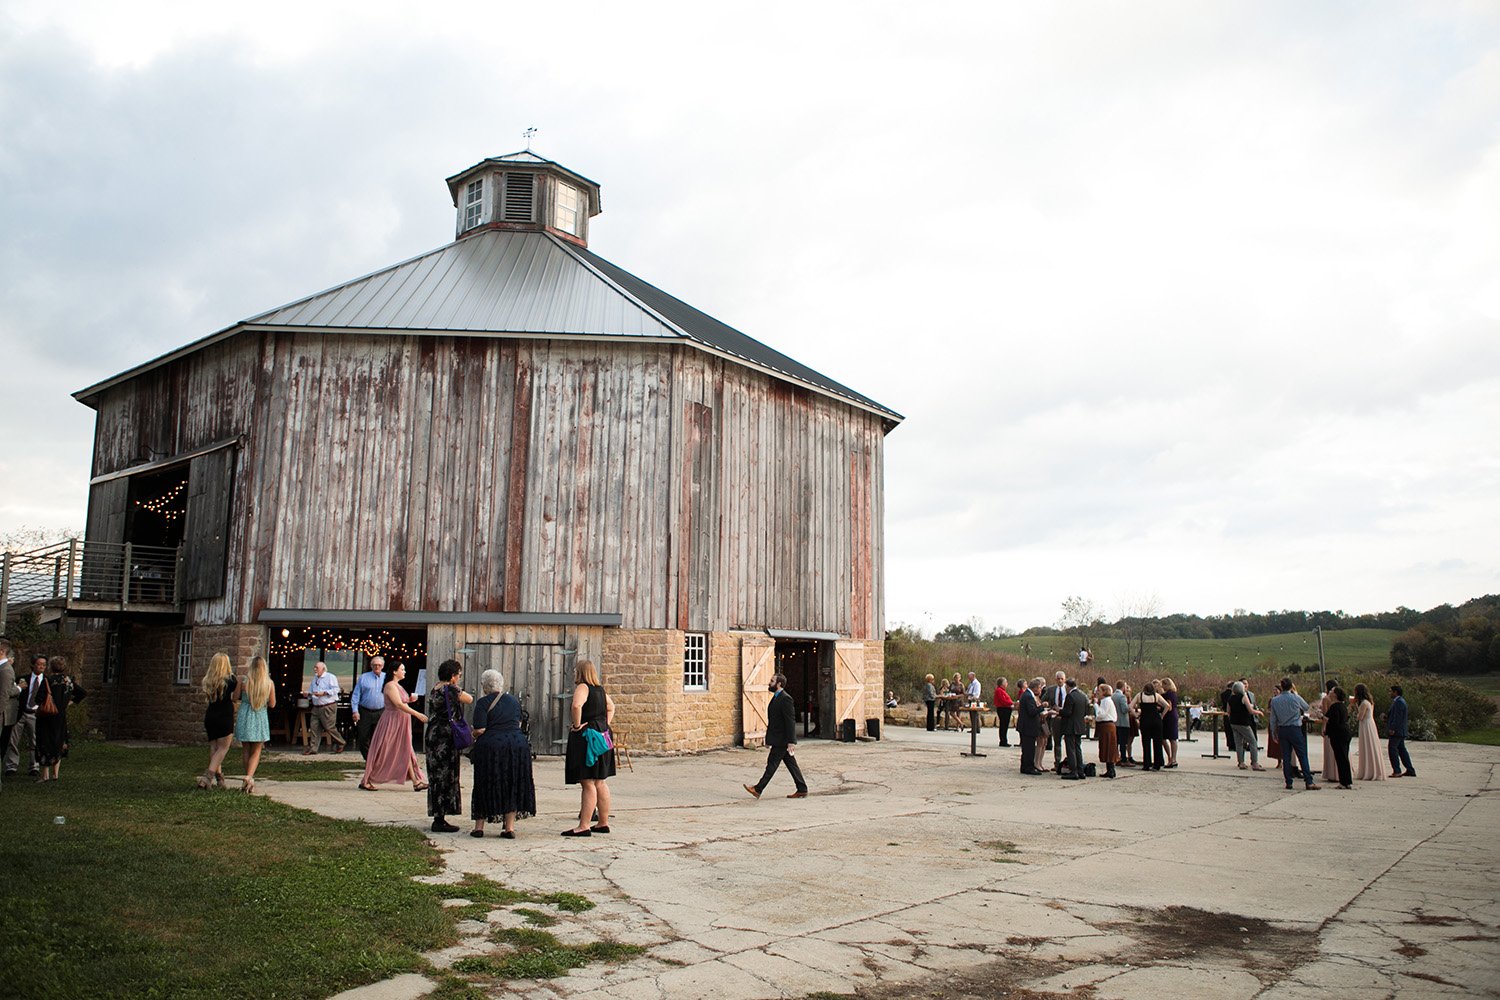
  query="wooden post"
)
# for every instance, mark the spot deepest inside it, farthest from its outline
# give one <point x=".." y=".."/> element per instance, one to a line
<point x="125" y="579"/>
<point x="4" y="592"/>
<point x="72" y="568"/>
<point x="56" y="575"/>
<point x="177" y="581"/>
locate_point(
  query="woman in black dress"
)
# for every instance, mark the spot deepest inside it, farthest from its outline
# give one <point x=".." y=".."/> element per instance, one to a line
<point x="503" y="787"/>
<point x="444" y="704"/>
<point x="52" y="729"/>
<point x="593" y="709"/>
<point x="1336" y="729"/>
<point x="218" y="718"/>
<point x="1149" y="707"/>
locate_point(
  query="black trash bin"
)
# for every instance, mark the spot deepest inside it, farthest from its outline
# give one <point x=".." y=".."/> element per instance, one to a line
<point x="872" y="726"/>
<point x="846" y="731"/>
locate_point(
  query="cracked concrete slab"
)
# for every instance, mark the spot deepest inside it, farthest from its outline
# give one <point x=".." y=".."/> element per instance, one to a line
<point x="912" y="870"/>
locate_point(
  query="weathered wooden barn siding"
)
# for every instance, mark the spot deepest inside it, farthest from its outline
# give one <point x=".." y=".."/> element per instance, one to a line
<point x="456" y="474"/>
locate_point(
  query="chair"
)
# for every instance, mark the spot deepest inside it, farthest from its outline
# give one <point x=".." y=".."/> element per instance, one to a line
<point x="622" y="752"/>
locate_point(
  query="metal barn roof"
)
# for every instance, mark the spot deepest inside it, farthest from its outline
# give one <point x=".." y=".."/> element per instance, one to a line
<point x="505" y="283"/>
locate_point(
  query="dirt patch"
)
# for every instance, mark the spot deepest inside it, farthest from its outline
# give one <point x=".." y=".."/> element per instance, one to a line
<point x="1411" y="950"/>
<point x="1184" y="932"/>
<point x="997" y="979"/>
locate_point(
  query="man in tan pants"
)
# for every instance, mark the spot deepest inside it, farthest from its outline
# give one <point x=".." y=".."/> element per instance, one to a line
<point x="323" y="695"/>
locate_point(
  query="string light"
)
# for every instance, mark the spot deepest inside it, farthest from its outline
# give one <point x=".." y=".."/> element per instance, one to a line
<point x="382" y="643"/>
<point x="165" y="504"/>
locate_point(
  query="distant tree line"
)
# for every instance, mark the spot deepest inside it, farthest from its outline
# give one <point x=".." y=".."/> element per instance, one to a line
<point x="1236" y="625"/>
<point x="1449" y="640"/>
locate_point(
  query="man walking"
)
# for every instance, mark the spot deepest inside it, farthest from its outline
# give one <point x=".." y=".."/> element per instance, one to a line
<point x="1075" y="712"/>
<point x="323" y="695"/>
<point x="367" y="702"/>
<point x="11" y="693"/>
<point x="1054" y="696"/>
<point x="781" y="737"/>
<point x="23" y="740"/>
<point x="1029" y="726"/>
<point x="1395" y="731"/>
<point x="1287" y="712"/>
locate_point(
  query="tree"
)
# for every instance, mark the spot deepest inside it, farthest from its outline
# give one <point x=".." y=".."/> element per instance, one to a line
<point x="1081" y="615"/>
<point x="1137" y="626"/>
<point x="957" y="632"/>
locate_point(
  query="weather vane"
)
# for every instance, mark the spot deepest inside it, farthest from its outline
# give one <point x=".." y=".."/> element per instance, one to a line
<point x="527" y="135"/>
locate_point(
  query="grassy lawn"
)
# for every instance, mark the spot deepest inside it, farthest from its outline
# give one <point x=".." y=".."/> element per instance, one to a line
<point x="1346" y="649"/>
<point x="153" y="888"/>
<point x="1489" y="736"/>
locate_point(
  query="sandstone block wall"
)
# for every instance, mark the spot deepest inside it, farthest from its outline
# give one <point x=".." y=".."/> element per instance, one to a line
<point x="643" y="673"/>
<point x="145" y="702"/>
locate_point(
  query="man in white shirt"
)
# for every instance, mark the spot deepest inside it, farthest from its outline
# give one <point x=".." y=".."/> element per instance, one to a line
<point x="323" y="716"/>
<point x="974" y="691"/>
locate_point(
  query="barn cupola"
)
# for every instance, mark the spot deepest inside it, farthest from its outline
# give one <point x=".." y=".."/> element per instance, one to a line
<point x="526" y="192"/>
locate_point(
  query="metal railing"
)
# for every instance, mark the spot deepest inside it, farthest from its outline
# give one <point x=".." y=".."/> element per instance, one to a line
<point x="97" y="575"/>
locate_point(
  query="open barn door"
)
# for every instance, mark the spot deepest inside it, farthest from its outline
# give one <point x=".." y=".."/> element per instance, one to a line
<point x="849" y="680"/>
<point x="757" y="667"/>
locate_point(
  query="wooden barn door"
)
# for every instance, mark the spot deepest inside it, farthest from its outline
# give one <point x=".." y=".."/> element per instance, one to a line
<point x="849" y="680"/>
<point x="757" y="667"/>
<point x="539" y="675"/>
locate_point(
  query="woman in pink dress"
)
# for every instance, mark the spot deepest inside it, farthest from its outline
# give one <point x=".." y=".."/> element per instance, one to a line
<point x="391" y="755"/>
<point x="1368" y="768"/>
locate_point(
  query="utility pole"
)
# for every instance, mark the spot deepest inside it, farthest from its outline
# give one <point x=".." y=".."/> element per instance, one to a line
<point x="1322" y="679"/>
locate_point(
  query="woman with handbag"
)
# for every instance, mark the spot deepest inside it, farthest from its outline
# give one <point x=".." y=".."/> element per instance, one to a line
<point x="447" y="735"/>
<point x="593" y="709"/>
<point x="52" y="718"/>
<point x="504" y="789"/>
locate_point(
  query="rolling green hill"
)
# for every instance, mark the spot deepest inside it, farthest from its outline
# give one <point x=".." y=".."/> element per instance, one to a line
<point x="1346" y="648"/>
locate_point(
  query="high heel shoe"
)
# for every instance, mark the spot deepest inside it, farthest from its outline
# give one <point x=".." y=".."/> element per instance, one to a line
<point x="249" y="786"/>
<point x="219" y="780"/>
<point x="206" y="779"/>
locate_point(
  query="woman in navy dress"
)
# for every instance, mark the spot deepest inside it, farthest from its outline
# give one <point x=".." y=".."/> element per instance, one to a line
<point x="503" y="787"/>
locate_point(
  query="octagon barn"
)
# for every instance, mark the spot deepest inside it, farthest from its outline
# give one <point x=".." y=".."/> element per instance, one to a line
<point x="509" y="451"/>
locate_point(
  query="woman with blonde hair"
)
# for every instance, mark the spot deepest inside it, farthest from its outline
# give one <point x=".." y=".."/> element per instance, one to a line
<point x="218" y="688"/>
<point x="593" y="709"/>
<point x="1169" y="720"/>
<point x="252" y="723"/>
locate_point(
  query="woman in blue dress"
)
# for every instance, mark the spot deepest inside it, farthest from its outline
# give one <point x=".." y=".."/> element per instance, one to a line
<point x="503" y="785"/>
<point x="252" y="723"/>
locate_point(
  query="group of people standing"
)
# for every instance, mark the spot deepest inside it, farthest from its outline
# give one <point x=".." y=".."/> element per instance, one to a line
<point x="382" y="712"/>
<point x="35" y="718"/>
<point x="1060" y="715"/>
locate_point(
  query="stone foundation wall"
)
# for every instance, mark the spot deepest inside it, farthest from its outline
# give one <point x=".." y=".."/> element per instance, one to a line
<point x="145" y="702"/>
<point x="874" y="681"/>
<point x="643" y="673"/>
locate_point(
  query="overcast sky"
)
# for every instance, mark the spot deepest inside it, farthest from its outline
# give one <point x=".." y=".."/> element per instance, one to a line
<point x="1199" y="300"/>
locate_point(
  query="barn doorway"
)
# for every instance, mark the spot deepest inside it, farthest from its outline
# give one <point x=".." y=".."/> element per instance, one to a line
<point x="539" y="674"/>
<point x="346" y="650"/>
<point x="808" y="666"/>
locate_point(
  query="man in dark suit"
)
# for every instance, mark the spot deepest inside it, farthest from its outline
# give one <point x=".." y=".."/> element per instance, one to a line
<point x="1074" y="716"/>
<point x="10" y="696"/>
<point x="1052" y="700"/>
<point x="1029" y="726"/>
<point x="1395" y="730"/>
<point x="781" y="737"/>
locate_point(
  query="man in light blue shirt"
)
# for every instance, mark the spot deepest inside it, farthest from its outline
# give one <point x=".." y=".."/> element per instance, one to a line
<point x="366" y="703"/>
<point x="1287" y="712"/>
<point x="323" y="713"/>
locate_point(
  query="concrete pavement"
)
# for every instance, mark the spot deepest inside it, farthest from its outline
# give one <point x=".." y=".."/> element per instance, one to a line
<point x="914" y="871"/>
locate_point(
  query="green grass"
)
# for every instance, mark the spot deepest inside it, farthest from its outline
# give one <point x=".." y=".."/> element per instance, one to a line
<point x="539" y="955"/>
<point x="158" y="889"/>
<point x="1483" y="683"/>
<point x="1344" y="649"/>
<point x="1488" y="736"/>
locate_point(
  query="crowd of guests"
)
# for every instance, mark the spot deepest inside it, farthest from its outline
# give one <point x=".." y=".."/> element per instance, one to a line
<point x="35" y="719"/>
<point x="383" y="715"/>
<point x="1056" y="717"/>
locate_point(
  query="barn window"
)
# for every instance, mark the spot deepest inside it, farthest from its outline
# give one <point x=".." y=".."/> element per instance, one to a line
<point x="474" y="203"/>
<point x="567" y="209"/>
<point x="184" y="656"/>
<point x="695" y="662"/>
<point x="519" y="189"/>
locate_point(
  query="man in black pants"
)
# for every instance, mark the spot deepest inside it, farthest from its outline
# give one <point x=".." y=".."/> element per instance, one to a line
<point x="1029" y="726"/>
<point x="1075" y="714"/>
<point x="366" y="702"/>
<point x="781" y="737"/>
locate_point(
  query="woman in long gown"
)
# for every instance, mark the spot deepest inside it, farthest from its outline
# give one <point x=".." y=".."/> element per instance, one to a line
<point x="1330" y="765"/>
<point x="1369" y="768"/>
<point x="445" y="703"/>
<point x="504" y="789"/>
<point x="392" y="756"/>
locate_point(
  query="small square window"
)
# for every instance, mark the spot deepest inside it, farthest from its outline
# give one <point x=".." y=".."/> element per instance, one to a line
<point x="695" y="662"/>
<point x="111" y="657"/>
<point x="474" y="203"/>
<point x="185" y="656"/>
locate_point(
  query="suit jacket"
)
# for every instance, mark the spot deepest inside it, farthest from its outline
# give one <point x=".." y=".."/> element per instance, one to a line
<point x="1075" y="713"/>
<point x="1030" y="722"/>
<point x="12" y="697"/>
<point x="781" y="720"/>
<point x="1395" y="719"/>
